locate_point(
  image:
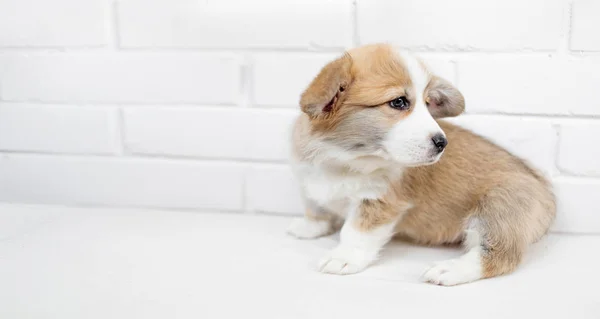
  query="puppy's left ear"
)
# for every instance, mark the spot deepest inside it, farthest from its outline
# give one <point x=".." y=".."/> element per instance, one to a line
<point x="443" y="99"/>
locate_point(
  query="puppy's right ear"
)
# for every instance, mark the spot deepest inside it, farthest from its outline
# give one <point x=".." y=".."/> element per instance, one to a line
<point x="323" y="93"/>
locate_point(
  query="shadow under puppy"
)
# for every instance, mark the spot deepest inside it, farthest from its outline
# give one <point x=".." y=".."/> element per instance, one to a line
<point x="369" y="150"/>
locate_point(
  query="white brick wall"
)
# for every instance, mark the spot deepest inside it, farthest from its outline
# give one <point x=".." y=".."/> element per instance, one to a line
<point x="56" y="23"/>
<point x="236" y="23"/>
<point x="585" y="25"/>
<point x="202" y="132"/>
<point x="120" y="181"/>
<point x="270" y="69"/>
<point x="273" y="189"/>
<point x="58" y="129"/>
<point x="501" y="25"/>
<point x="531" y="85"/>
<point x="578" y="204"/>
<point x="120" y="78"/>
<point x="188" y="103"/>
<point x="576" y="155"/>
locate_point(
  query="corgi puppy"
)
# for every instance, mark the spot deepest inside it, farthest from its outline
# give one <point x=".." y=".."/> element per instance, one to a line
<point x="372" y="156"/>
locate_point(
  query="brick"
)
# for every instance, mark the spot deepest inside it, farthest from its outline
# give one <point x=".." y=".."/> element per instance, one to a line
<point x="279" y="79"/>
<point x="441" y="67"/>
<point x="120" y="182"/>
<point x="530" y="85"/>
<point x="273" y="189"/>
<point x="462" y="24"/>
<point x="578" y="205"/>
<point x="35" y="23"/>
<point x="95" y="77"/>
<point x="236" y="24"/>
<point x="585" y="25"/>
<point x="532" y="140"/>
<point x="220" y="133"/>
<point x="576" y="154"/>
<point x="58" y="129"/>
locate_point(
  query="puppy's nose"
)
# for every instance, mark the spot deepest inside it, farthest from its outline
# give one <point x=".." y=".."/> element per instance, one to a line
<point x="440" y="142"/>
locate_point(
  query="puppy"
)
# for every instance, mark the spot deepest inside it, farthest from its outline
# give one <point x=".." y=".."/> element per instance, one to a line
<point x="369" y="149"/>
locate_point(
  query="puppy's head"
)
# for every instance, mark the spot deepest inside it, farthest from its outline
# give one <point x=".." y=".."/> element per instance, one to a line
<point x="376" y="101"/>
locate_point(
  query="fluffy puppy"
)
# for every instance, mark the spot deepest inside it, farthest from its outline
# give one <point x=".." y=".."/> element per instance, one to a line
<point x="369" y="150"/>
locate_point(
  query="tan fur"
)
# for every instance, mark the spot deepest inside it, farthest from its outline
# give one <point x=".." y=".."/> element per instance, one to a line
<point x="475" y="184"/>
<point x="377" y="212"/>
<point x="474" y="166"/>
<point x="364" y="92"/>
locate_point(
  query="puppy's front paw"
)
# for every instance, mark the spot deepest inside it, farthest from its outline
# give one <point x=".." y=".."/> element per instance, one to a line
<point x="453" y="272"/>
<point x="308" y="229"/>
<point x="345" y="260"/>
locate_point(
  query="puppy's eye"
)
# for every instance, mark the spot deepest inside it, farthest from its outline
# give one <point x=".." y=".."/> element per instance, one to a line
<point x="400" y="103"/>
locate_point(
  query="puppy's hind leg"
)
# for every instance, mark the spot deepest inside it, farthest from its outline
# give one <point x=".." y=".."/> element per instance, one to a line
<point x="496" y="237"/>
<point x="317" y="222"/>
<point x="466" y="268"/>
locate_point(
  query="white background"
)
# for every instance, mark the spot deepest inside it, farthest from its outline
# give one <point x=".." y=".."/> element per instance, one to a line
<point x="187" y="104"/>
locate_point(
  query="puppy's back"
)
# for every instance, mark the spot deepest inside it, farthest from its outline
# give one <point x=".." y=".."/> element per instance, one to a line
<point x="470" y="172"/>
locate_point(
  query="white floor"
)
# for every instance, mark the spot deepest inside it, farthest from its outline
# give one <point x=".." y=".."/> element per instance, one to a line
<point x="103" y="263"/>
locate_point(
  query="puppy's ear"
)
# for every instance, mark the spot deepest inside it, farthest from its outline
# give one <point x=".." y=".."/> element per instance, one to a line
<point x="443" y="99"/>
<point x="323" y="93"/>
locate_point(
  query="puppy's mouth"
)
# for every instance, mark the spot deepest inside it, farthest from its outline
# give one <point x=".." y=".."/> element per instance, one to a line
<point x="426" y="162"/>
<point x="429" y="159"/>
<point x="435" y="159"/>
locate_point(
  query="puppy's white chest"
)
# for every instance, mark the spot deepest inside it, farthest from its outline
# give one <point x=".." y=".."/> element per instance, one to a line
<point x="326" y="188"/>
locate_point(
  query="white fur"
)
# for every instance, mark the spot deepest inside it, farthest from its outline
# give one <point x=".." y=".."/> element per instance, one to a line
<point x="333" y="188"/>
<point x="464" y="269"/>
<point x="357" y="249"/>
<point x="304" y="228"/>
<point x="333" y="177"/>
<point x="409" y="141"/>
